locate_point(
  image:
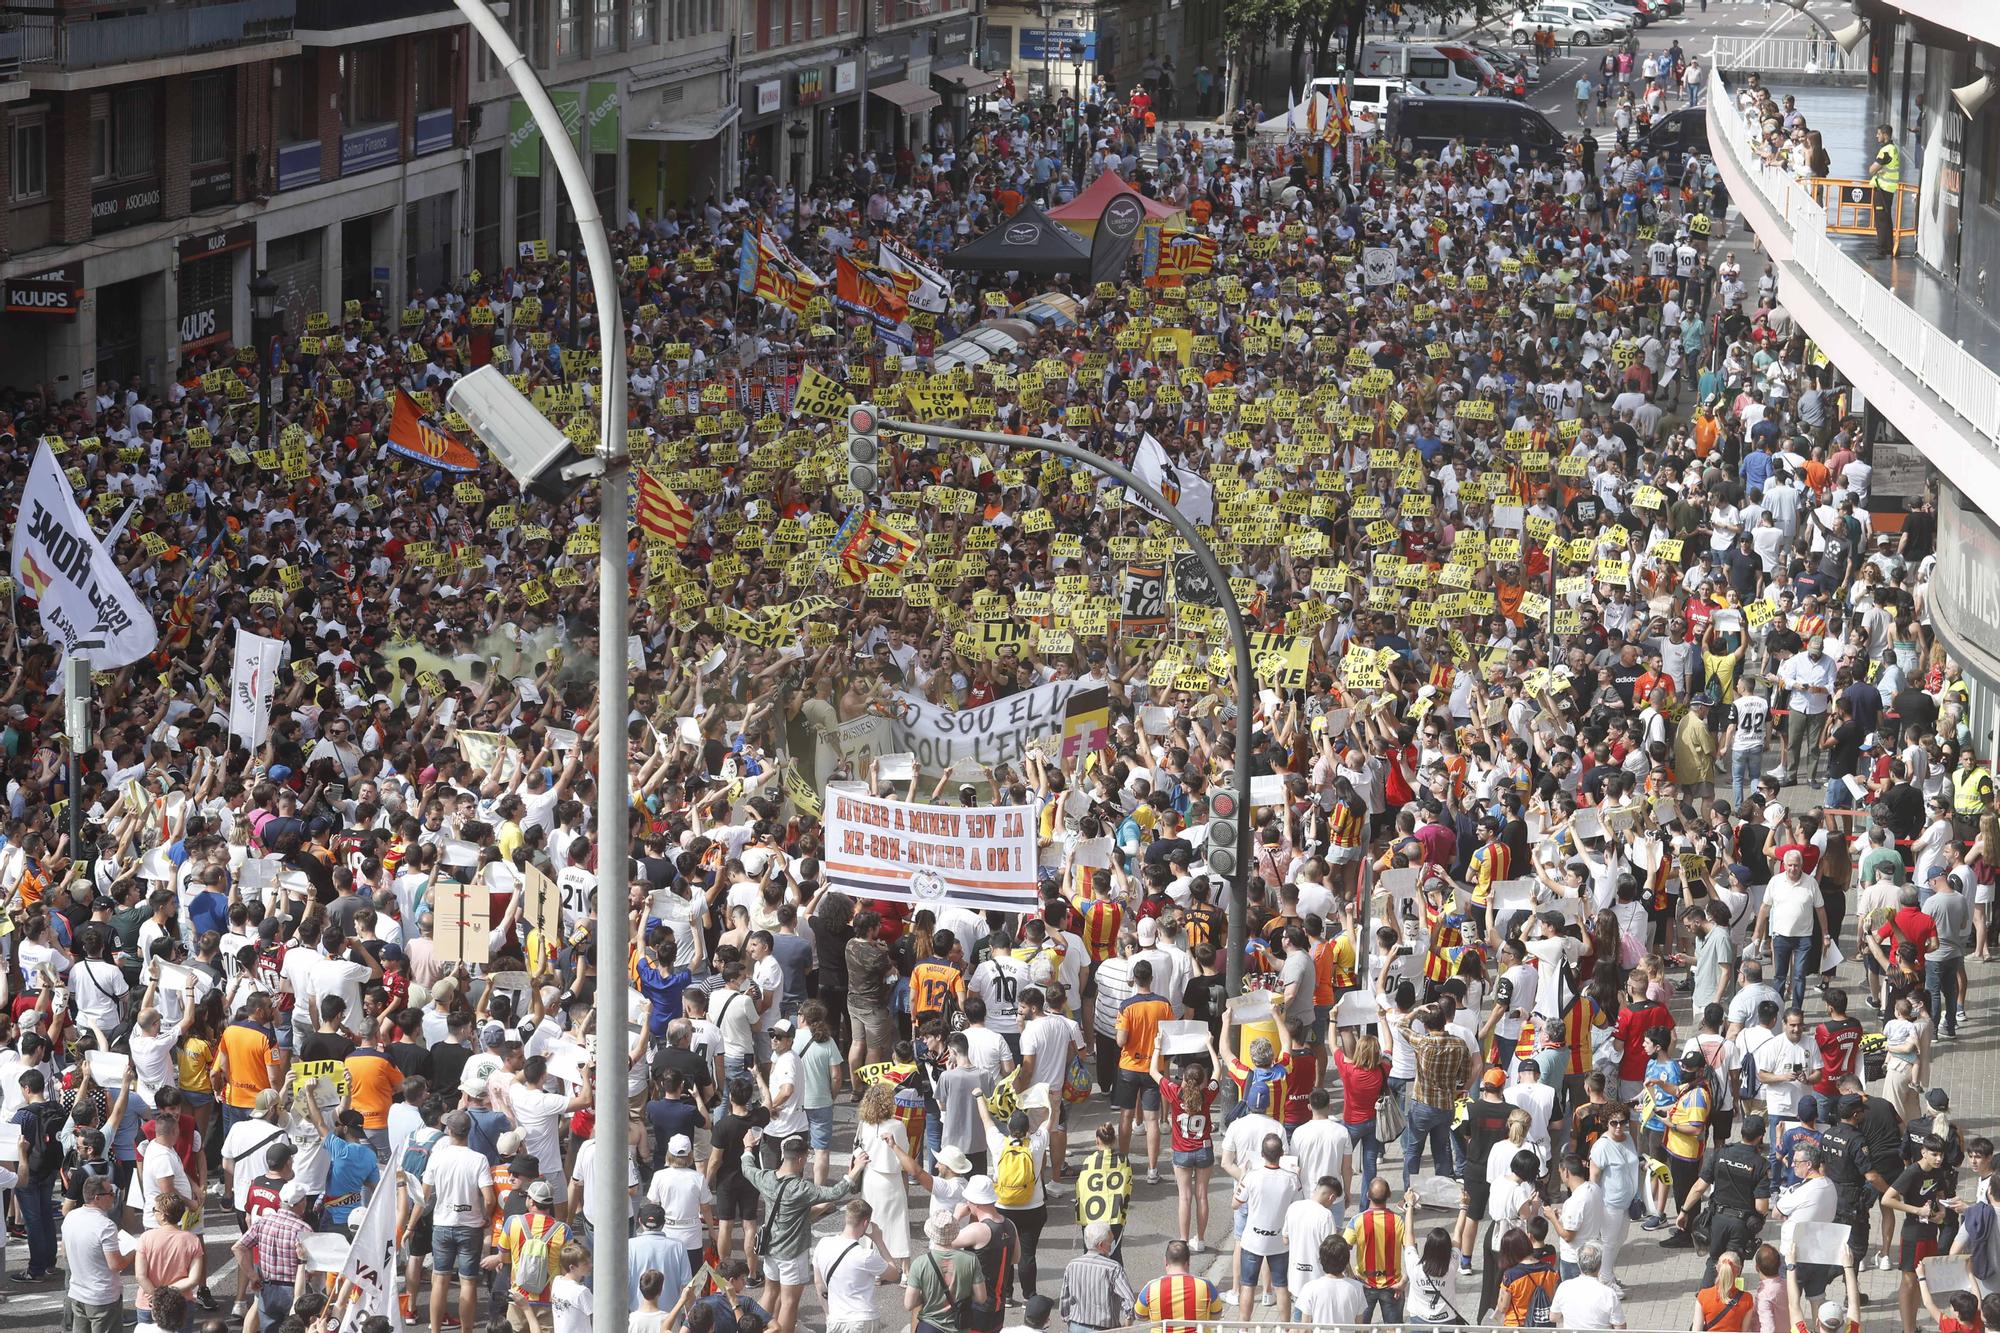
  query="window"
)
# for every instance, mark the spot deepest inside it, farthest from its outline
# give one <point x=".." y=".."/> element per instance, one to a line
<point x="569" y="29"/>
<point x="645" y="22"/>
<point x="28" y="135"/>
<point x="996" y="50"/>
<point x="843" y="15"/>
<point x="434" y="80"/>
<point x="290" y="106"/>
<point x="123" y="130"/>
<point x="797" y="9"/>
<point x="210" y="107"/>
<point x="776" y="10"/>
<point x="1428" y="67"/>
<point x="818" y="8"/>
<point x="367" y="86"/>
<point x="604" y="31"/>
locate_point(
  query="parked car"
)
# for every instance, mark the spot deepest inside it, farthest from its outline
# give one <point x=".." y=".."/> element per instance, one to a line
<point x="1507" y="62"/>
<point x="1677" y="134"/>
<point x="1573" y="24"/>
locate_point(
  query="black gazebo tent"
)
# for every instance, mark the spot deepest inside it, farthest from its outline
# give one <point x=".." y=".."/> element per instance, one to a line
<point x="1029" y="242"/>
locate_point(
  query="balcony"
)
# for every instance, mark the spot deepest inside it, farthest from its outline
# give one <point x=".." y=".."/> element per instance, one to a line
<point x="1895" y="327"/>
<point x="346" y="22"/>
<point x="77" y="48"/>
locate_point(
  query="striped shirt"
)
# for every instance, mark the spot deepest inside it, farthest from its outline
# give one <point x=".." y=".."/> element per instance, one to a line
<point x="1096" y="1292"/>
<point x="1178" y="1296"/>
<point x="1443" y="1064"/>
<point x="1489" y="865"/>
<point x="1348" y="819"/>
<point x="1101" y="921"/>
<point x="1377" y="1238"/>
<point x="274" y="1239"/>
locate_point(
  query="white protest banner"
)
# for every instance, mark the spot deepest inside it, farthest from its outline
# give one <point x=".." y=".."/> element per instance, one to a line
<point x="80" y="593"/>
<point x="371" y="1262"/>
<point x="326" y="1251"/>
<point x="979" y="857"/>
<point x="942" y="738"/>
<point x="1818" y="1242"/>
<point x="489" y="752"/>
<point x="1946" y="1273"/>
<point x="1356" y="1009"/>
<point x="1183" y="1037"/>
<point x="252" y="682"/>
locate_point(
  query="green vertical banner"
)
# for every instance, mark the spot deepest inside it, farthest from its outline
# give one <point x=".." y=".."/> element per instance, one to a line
<point x="524" y="141"/>
<point x="601" y="100"/>
<point x="569" y="105"/>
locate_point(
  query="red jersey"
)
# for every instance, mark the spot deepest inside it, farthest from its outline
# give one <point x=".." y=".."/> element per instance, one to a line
<point x="1633" y="1024"/>
<point x="1101" y="921"/>
<point x="1188" y="1125"/>
<point x="1839" y="1053"/>
<point x="1299" y="1085"/>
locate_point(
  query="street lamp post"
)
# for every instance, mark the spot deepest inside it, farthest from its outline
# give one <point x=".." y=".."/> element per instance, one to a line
<point x="263" y="330"/>
<point x="1239" y="641"/>
<point x="614" y="857"/>
<point x="797" y="133"/>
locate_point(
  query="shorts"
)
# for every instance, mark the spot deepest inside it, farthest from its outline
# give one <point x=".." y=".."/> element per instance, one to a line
<point x="196" y="1100"/>
<point x="1274" y="1265"/>
<point x="1341" y="856"/>
<point x="421" y="1239"/>
<point x="1477" y="1188"/>
<point x="1322" y="1021"/>
<point x="1135" y="1090"/>
<point x="1982" y="895"/>
<point x="819" y="1127"/>
<point x="736" y="1201"/>
<point x="1913" y="1250"/>
<point x="793" y="1272"/>
<point x="1196" y="1160"/>
<point x="877" y="1031"/>
<point x="457" y="1249"/>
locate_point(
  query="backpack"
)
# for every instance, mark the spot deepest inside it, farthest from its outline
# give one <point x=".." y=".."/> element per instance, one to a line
<point x="418" y="1149"/>
<point x="1748" y="1088"/>
<point x="1257" y="1094"/>
<point x="1539" y="1299"/>
<point x="1014" y="1181"/>
<point x="41" y="1151"/>
<point x="532" y="1267"/>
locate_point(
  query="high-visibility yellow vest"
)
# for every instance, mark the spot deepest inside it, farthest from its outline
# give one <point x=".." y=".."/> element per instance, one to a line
<point x="1888" y="173"/>
<point x="1965" y="791"/>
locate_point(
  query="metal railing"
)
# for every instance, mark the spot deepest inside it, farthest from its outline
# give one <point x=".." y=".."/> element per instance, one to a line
<point x="331" y="15"/>
<point x="82" y="40"/>
<point x="1957" y="377"/>
<point x="1812" y="54"/>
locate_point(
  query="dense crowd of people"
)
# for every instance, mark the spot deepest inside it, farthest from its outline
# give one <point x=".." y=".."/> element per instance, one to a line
<point x="1571" y="536"/>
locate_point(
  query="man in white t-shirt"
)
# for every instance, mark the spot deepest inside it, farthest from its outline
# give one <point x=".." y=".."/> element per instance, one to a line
<point x="538" y="1114"/>
<point x="1785" y="1065"/>
<point x="1333" y="1297"/>
<point x="160" y="1169"/>
<point x="683" y="1194"/>
<point x="1792" y="907"/>
<point x="1308" y="1222"/>
<point x="569" y="1297"/>
<point x="458" y="1189"/>
<point x="1584" y="1301"/>
<point x="848" y="1267"/>
<point x="1265" y="1193"/>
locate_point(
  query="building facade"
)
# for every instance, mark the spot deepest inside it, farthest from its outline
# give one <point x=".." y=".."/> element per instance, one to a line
<point x="155" y="160"/>
<point x="1918" y="335"/>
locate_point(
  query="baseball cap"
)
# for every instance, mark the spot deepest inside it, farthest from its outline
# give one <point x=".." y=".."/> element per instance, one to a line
<point x="1148" y="930"/>
<point x="680" y="1145"/>
<point x="1495" y="1078"/>
<point x="1832" y="1315"/>
<point x="1939" y="1099"/>
<point x="266" y="1099"/>
<point x="541" y="1192"/>
<point x="979" y="1190"/>
<point x="293" y="1192"/>
<point x="782" y="1028"/>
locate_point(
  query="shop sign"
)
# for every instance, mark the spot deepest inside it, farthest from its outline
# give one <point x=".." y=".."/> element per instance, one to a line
<point x="770" y="96"/>
<point x="194" y="249"/>
<point x="55" y="294"/>
<point x="370" y="146"/>
<point x="843" y="77"/>
<point x="211" y="187"/>
<point x="811" y="86"/>
<point x="123" y="205"/>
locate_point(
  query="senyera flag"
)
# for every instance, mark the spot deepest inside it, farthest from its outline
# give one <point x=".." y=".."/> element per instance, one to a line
<point x="416" y="439"/>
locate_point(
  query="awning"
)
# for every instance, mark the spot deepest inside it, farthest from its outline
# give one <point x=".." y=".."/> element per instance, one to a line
<point x="969" y="78"/>
<point x="698" y="128"/>
<point x="908" y="98"/>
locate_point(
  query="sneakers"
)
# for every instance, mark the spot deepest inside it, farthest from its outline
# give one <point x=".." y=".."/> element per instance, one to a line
<point x="1197" y="1246"/>
<point x="1269" y="1298"/>
<point x="1152" y="1175"/>
<point x="1882" y="1262"/>
<point x="1465" y="1265"/>
<point x="1680" y="1240"/>
<point x="1654" y="1221"/>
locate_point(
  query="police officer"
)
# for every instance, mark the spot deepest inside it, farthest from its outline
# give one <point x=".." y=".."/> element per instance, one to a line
<point x="1737" y="1182"/>
<point x="1971" y="792"/>
<point x="1885" y="174"/>
<point x="1843" y="1157"/>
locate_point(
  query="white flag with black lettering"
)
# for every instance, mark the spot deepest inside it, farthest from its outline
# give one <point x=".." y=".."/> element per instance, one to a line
<point x="252" y="683"/>
<point x="59" y="562"/>
<point x="371" y="1263"/>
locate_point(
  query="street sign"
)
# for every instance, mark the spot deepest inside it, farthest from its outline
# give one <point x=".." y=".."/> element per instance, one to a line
<point x="1057" y="44"/>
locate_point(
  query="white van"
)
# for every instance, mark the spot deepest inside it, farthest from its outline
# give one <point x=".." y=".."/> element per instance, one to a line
<point x="1440" y="69"/>
<point x="1367" y="100"/>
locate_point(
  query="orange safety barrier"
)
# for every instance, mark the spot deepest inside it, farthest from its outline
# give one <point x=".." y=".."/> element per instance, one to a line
<point x="1850" y="206"/>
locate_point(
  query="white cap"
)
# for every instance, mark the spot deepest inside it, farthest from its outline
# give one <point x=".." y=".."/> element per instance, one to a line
<point x="1149" y="930"/>
<point x="680" y="1145"/>
<point x="754" y="861"/>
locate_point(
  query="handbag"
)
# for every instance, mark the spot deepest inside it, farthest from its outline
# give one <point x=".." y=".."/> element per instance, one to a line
<point x="1389" y="1120"/>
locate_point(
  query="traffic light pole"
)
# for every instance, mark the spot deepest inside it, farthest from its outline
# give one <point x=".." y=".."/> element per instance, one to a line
<point x="1239" y="637"/>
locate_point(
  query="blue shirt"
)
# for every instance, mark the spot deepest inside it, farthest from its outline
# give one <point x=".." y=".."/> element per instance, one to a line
<point x="352" y="1169"/>
<point x="663" y="990"/>
<point x="209" y="910"/>
<point x="652" y="1249"/>
<point x="725" y="1318"/>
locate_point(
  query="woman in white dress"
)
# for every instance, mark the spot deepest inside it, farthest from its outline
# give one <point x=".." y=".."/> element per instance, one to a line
<point x="887" y="1143"/>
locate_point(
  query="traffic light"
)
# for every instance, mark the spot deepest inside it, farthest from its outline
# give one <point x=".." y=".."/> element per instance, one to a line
<point x="863" y="445"/>
<point x="1221" y="841"/>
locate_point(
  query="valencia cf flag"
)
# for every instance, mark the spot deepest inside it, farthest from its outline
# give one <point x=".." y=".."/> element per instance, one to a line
<point x="416" y="439"/>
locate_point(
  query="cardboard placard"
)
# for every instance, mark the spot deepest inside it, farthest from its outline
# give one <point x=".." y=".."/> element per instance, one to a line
<point x="1356" y="1009"/>
<point x="462" y="922"/>
<point x="1183" y="1037"/>
<point x="1819" y="1242"/>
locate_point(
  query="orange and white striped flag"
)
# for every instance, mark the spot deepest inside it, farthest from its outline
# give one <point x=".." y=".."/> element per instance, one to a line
<point x="661" y="513"/>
